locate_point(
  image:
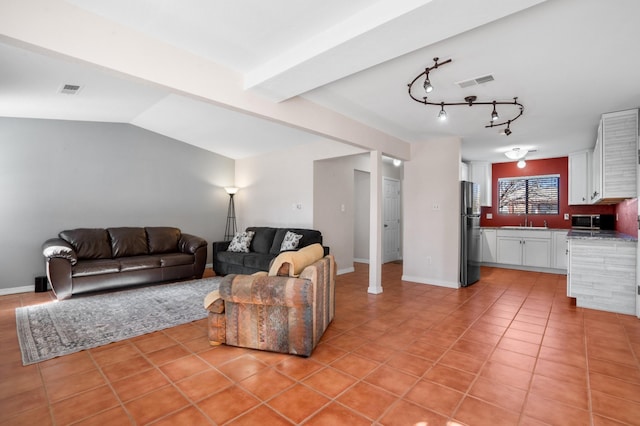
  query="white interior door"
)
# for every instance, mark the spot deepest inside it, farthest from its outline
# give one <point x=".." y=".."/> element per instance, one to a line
<point x="391" y="219"/>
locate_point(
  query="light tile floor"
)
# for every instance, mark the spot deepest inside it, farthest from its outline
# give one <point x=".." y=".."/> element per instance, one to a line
<point x="510" y="350"/>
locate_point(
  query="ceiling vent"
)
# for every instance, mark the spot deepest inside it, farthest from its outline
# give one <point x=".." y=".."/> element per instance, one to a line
<point x="70" y="89"/>
<point x="474" y="81"/>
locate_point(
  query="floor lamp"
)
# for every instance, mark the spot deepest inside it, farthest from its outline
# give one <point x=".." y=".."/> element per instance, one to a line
<point x="230" y="230"/>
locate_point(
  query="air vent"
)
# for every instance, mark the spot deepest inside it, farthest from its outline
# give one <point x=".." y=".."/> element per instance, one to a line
<point x="70" y="89"/>
<point x="474" y="81"/>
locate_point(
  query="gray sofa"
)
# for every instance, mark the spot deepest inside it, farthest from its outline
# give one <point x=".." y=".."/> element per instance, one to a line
<point x="84" y="260"/>
<point x="265" y="246"/>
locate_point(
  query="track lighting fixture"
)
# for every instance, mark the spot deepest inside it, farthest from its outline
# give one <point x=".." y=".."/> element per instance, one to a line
<point x="442" y="115"/>
<point x="427" y="83"/>
<point x="469" y="100"/>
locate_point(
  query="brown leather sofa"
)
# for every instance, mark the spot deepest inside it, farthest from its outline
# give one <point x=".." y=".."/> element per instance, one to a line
<point x="84" y="260"/>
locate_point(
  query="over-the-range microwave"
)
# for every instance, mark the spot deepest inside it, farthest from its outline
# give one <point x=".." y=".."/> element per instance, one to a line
<point x="593" y="221"/>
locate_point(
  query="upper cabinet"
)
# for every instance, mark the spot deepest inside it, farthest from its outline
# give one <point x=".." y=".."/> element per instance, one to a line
<point x="464" y="171"/>
<point x="480" y="173"/>
<point x="614" y="158"/>
<point x="580" y="178"/>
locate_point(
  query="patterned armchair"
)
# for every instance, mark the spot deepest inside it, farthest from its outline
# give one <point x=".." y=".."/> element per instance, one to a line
<point x="285" y="314"/>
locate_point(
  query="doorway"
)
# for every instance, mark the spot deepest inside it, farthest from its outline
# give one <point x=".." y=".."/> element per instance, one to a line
<point x="391" y="216"/>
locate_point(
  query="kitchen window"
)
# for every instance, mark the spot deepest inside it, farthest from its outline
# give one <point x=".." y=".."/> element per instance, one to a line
<point x="529" y="195"/>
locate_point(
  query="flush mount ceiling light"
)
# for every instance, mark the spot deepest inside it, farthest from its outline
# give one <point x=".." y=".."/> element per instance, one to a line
<point x="516" y="154"/>
<point x="469" y="100"/>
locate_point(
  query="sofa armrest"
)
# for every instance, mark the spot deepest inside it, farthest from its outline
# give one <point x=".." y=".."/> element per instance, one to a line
<point x="214" y="303"/>
<point x="190" y="243"/>
<point x="59" y="248"/>
<point x="266" y="290"/>
<point x="220" y="246"/>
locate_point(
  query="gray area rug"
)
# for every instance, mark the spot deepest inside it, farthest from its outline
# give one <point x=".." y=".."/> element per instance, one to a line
<point x="88" y="321"/>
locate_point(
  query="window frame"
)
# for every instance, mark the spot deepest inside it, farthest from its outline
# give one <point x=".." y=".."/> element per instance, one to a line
<point x="525" y="180"/>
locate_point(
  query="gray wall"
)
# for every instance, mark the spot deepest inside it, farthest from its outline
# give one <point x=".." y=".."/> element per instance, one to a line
<point x="57" y="175"/>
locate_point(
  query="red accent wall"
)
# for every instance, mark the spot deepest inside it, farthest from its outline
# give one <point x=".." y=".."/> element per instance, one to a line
<point x="546" y="167"/>
<point x="627" y="213"/>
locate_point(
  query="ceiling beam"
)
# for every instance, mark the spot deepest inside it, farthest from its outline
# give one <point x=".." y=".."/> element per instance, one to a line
<point x="60" y="29"/>
<point x="382" y="32"/>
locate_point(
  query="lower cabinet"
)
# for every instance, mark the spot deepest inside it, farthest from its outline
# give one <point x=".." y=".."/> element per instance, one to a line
<point x="524" y="247"/>
<point x="489" y="248"/>
<point x="602" y="274"/>
<point x="560" y="250"/>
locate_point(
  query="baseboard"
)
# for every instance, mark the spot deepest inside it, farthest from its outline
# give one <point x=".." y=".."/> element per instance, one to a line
<point x="345" y="271"/>
<point x="430" y="281"/>
<point x="361" y="261"/>
<point x="526" y="268"/>
<point x="16" y="290"/>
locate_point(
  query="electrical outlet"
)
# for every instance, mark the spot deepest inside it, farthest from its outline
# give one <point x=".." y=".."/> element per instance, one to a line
<point x="489" y="215"/>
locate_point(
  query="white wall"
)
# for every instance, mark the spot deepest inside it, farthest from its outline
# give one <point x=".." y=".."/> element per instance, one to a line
<point x="273" y="185"/>
<point x="362" y="201"/>
<point x="57" y="175"/>
<point x="431" y="177"/>
<point x="335" y="187"/>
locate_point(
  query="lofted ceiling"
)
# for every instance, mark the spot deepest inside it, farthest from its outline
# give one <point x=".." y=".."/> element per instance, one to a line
<point x="567" y="61"/>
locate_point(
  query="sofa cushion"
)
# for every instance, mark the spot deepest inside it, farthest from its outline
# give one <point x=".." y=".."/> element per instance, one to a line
<point x="241" y="242"/>
<point x="162" y="239"/>
<point x="230" y="257"/>
<point x="128" y="241"/>
<point x="176" y="259"/>
<point x="259" y="261"/>
<point x="88" y="243"/>
<point x="262" y="239"/>
<point x="309" y="236"/>
<point x="138" y="262"/>
<point x="95" y="267"/>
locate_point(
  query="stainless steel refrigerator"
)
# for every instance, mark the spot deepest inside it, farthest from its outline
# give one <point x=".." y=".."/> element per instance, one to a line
<point x="469" y="233"/>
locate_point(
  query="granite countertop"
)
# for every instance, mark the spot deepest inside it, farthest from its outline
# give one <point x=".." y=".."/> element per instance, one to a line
<point x="599" y="235"/>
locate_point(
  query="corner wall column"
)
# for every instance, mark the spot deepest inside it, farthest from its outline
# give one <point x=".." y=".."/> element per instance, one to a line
<point x="375" y="224"/>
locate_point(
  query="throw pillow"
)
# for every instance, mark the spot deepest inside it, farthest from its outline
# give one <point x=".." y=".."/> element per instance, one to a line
<point x="291" y="241"/>
<point x="241" y="242"/>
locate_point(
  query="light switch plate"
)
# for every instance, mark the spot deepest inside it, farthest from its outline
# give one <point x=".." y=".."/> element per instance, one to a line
<point x="566" y="216"/>
<point x="489" y="215"/>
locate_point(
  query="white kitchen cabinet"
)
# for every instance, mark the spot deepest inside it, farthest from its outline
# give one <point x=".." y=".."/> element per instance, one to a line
<point x="560" y="249"/>
<point x="614" y="157"/>
<point x="580" y="177"/>
<point x="602" y="274"/>
<point x="480" y="173"/>
<point x="464" y="171"/>
<point x="524" y="247"/>
<point x="489" y="247"/>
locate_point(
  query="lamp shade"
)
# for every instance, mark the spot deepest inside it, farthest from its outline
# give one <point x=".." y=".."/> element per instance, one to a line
<point x="231" y="190"/>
